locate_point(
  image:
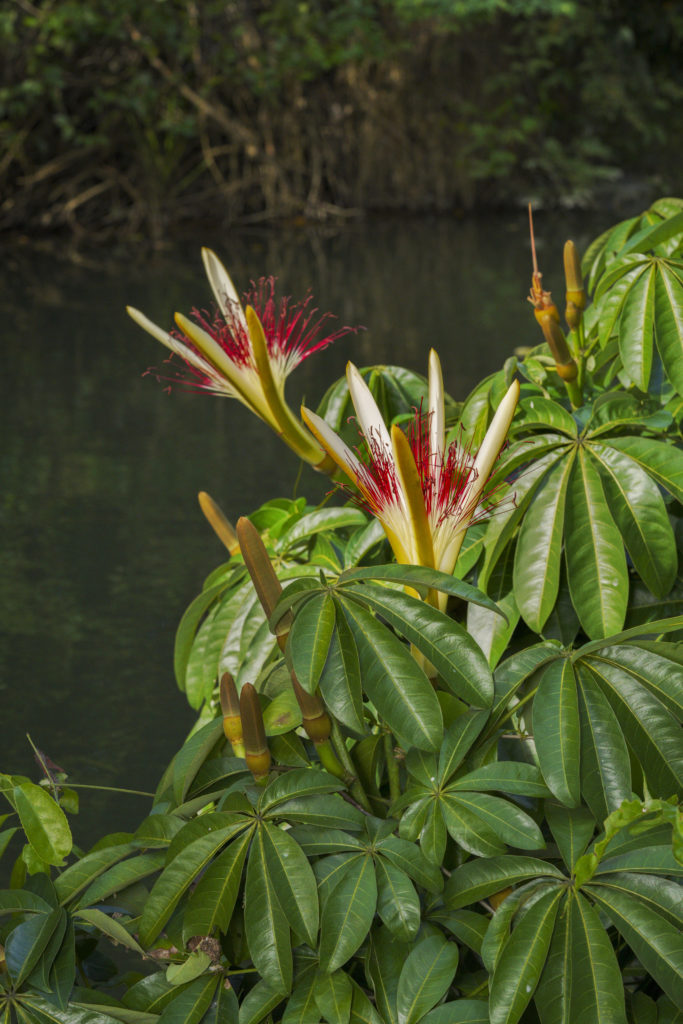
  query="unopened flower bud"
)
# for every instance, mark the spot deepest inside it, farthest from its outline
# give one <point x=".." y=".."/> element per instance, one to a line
<point x="557" y="343"/>
<point x="256" y="752"/>
<point x="232" y="722"/>
<point x="218" y="522"/>
<point x="573" y="277"/>
<point x="263" y="575"/>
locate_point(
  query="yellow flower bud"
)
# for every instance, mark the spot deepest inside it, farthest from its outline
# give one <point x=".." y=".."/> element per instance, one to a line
<point x="573" y="277"/>
<point x="256" y="752"/>
<point x="230" y="706"/>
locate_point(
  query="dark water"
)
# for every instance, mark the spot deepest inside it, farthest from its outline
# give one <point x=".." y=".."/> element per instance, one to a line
<point x="102" y="542"/>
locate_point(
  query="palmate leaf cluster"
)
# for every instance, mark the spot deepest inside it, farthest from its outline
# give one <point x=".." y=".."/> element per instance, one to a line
<point x="503" y="840"/>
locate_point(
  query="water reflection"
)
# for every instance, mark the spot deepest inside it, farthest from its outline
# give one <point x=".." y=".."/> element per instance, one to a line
<point x="102" y="542"/>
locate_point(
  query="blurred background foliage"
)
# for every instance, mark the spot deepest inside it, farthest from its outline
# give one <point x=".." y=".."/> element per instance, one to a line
<point x="124" y="118"/>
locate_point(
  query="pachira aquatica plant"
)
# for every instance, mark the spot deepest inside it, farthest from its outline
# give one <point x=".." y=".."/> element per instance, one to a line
<point x="436" y="770"/>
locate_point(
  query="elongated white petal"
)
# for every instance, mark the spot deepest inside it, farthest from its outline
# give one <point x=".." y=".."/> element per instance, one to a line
<point x="437" y="416"/>
<point x="177" y="346"/>
<point x="222" y="287"/>
<point x="148" y="325"/>
<point x="496" y="434"/>
<point x="369" y="416"/>
<point x="334" y="446"/>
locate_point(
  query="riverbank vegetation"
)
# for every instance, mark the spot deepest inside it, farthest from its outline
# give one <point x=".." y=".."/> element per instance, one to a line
<point x="119" y="118"/>
<point x="436" y="768"/>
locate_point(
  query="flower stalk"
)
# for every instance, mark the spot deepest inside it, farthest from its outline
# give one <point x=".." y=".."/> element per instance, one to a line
<point x="314" y="718"/>
<point x="548" y="317"/>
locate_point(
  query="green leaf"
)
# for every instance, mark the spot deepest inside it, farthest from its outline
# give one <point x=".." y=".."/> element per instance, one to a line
<point x="650" y="729"/>
<point x="301" y="1006"/>
<point x="301" y="783"/>
<point x="266" y="926"/>
<point x="512" y="907"/>
<point x="421" y="579"/>
<point x="520" y="965"/>
<point x="82" y="874"/>
<point x="187" y="628"/>
<point x="657" y="859"/>
<point x="457" y="740"/>
<point x="171" y="886"/>
<point x="544" y="412"/>
<point x="425" y="978"/>
<point x="660" y="459"/>
<point x="407" y="857"/>
<point x="113" y="929"/>
<point x="154" y="832"/>
<point x="662" y="895"/>
<point x="321" y="519"/>
<point x="309" y="639"/>
<point x="655" y="941"/>
<point x="191" y="1003"/>
<point x="505" y="777"/>
<point x="640" y="514"/>
<point x="347" y="912"/>
<point x="333" y="996"/>
<point x="605" y="764"/>
<point x="504" y="818"/>
<point x="515" y="670"/>
<point x="449" y="647"/>
<point x="491" y="633"/>
<point x="636" y="326"/>
<point x="329" y="811"/>
<point x="362" y="1010"/>
<point x="557" y="731"/>
<point x="478" y="879"/>
<point x="27" y="942"/>
<point x="191" y="968"/>
<point x="466" y="828"/>
<point x="120" y="876"/>
<point x="611" y="305"/>
<point x="537" y="565"/>
<point x="212" y="903"/>
<point x="36" y="1009"/>
<point x="656" y="666"/>
<point x="397" y="902"/>
<point x="596" y="564"/>
<point x="395" y="683"/>
<point x="468" y="927"/>
<point x="63" y="970"/>
<point x="317" y="842"/>
<point x="581" y="980"/>
<point x="362" y="542"/>
<point x="258" y="1003"/>
<point x="43" y="821"/>
<point x="669" y="322"/>
<point x="224" y="1007"/>
<point x="462" y="1011"/>
<point x="19" y="901"/>
<point x="202" y="664"/>
<point x="503" y="525"/>
<point x="654" y="234"/>
<point x="385" y="962"/>
<point x="282" y="715"/>
<point x="192" y="756"/>
<point x="293" y="880"/>
<point x="340" y="682"/>
<point x="433" y="835"/>
<point x="572" y="830"/>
